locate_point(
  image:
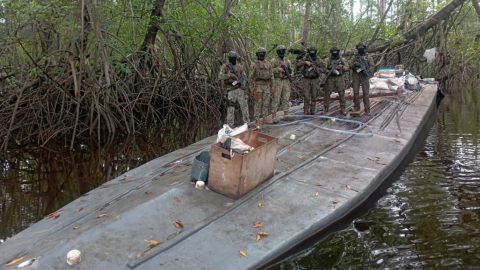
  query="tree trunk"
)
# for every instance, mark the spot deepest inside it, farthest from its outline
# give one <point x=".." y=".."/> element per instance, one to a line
<point x="152" y="30"/>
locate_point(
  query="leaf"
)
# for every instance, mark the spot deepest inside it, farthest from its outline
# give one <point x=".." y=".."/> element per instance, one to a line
<point x="152" y="243"/>
<point x="85" y="195"/>
<point x="290" y="148"/>
<point x="13" y="261"/>
<point x="303" y="181"/>
<point x="54" y="214"/>
<point x="243" y="253"/>
<point x="349" y="187"/>
<point x="319" y="185"/>
<point x="335" y="201"/>
<point x="76" y="227"/>
<point x="148" y="192"/>
<point x="258" y="237"/>
<point x="383" y="163"/>
<point x="178" y="224"/>
<point x="123" y="179"/>
<point x="83" y="200"/>
<point x="257" y="224"/>
<point x="100" y="216"/>
<point x="316" y="194"/>
<point x="263" y="196"/>
<point x="263" y="233"/>
<point x="260" y="205"/>
<point x="79" y="209"/>
<point x="340" y="152"/>
<point x="183" y="152"/>
<point x="177" y="199"/>
<point x="99" y="209"/>
<point x="57" y="216"/>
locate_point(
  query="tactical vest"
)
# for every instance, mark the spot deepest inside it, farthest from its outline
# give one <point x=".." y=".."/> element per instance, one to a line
<point x="309" y="71"/>
<point x="278" y="63"/>
<point x="363" y="57"/>
<point x="329" y="64"/>
<point x="262" y="71"/>
<point x="238" y="69"/>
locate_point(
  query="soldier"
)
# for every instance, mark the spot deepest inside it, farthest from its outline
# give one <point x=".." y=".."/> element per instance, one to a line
<point x="336" y="66"/>
<point x="260" y="82"/>
<point x="232" y="75"/>
<point x="312" y="67"/>
<point x="281" y="82"/>
<point x="360" y="77"/>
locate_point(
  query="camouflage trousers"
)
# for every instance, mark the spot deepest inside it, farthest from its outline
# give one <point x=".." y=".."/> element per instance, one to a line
<point x="282" y="91"/>
<point x="357" y="80"/>
<point x="261" y="98"/>
<point x="334" y="84"/>
<point x="311" y="88"/>
<point x="234" y="96"/>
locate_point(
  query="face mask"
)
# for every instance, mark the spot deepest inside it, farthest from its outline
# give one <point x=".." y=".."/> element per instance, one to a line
<point x="232" y="60"/>
<point x="335" y="55"/>
<point x="281" y="54"/>
<point x="261" y="56"/>
<point x="313" y="55"/>
<point x="361" y="50"/>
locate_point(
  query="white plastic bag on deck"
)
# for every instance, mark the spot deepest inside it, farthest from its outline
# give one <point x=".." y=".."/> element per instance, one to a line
<point x="430" y="54"/>
<point x="227" y="131"/>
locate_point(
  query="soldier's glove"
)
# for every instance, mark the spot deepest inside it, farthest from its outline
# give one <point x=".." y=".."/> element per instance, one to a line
<point x="232" y="76"/>
<point x="339" y="67"/>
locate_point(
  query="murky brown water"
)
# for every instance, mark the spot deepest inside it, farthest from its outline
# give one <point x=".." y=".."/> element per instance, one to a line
<point x="430" y="217"/>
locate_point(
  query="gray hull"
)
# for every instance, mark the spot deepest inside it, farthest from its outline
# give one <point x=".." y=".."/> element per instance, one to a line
<point x="216" y="227"/>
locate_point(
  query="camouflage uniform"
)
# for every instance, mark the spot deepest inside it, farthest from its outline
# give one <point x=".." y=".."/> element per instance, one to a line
<point x="311" y="83"/>
<point x="361" y="79"/>
<point x="234" y="93"/>
<point x="281" y="83"/>
<point x="261" y="81"/>
<point x="335" y="83"/>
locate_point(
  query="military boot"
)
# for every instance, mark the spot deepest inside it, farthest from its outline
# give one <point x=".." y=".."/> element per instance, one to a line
<point x="266" y="121"/>
<point x="285" y="117"/>
<point x="325" y="110"/>
<point x="274" y="118"/>
<point x="312" y="112"/>
<point x="367" y="113"/>
<point x="342" y="111"/>
<point x="257" y="124"/>
<point x="305" y="110"/>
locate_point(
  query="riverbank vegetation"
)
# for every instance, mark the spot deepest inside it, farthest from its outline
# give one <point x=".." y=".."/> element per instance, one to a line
<point x="71" y="70"/>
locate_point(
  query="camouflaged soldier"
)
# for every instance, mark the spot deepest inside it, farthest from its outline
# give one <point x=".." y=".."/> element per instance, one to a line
<point x="260" y="83"/>
<point x="281" y="82"/>
<point x="232" y="75"/>
<point x="312" y="66"/>
<point x="336" y="67"/>
<point x="360" y="77"/>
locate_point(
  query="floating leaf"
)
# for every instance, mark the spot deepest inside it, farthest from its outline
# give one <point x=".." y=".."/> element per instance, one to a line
<point x="100" y="216"/>
<point x="257" y="224"/>
<point x="148" y="192"/>
<point x="260" y="205"/>
<point x="243" y="253"/>
<point x="177" y="199"/>
<point x="303" y="181"/>
<point x="76" y="227"/>
<point x="13" y="261"/>
<point x="152" y="243"/>
<point x="79" y="209"/>
<point x="316" y="194"/>
<point x="335" y="201"/>
<point x="258" y="237"/>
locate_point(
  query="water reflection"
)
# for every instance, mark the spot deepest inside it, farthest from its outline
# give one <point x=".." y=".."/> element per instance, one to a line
<point x="37" y="180"/>
<point x="430" y="217"/>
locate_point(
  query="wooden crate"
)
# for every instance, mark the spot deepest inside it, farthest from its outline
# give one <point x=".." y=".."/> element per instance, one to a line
<point x="235" y="175"/>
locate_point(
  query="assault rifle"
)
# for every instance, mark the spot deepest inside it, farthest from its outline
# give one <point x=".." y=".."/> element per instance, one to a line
<point x="288" y="72"/>
<point x="333" y="66"/>
<point x="314" y="65"/>
<point x="240" y="79"/>
<point x="364" y="68"/>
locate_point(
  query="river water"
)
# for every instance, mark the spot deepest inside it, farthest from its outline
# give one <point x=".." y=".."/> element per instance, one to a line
<point x="430" y="217"/>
